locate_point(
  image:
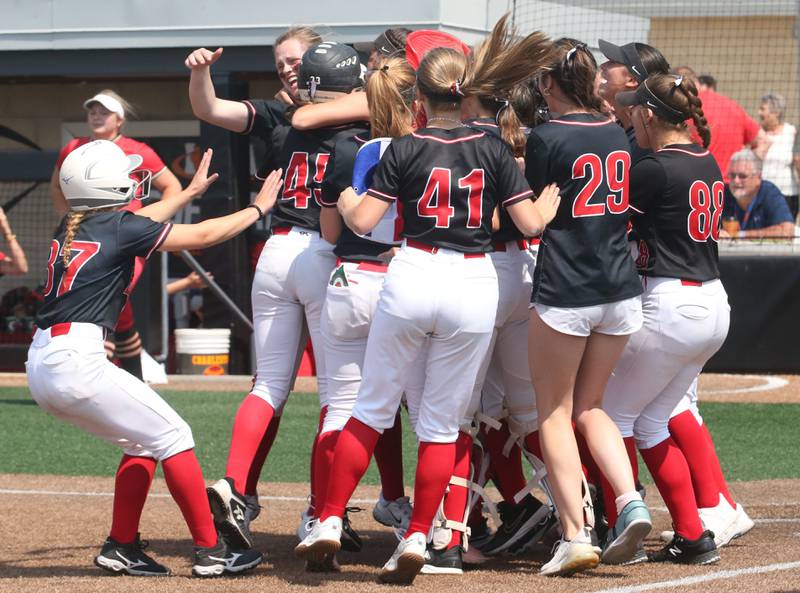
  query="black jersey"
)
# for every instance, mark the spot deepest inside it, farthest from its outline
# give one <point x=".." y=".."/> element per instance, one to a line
<point x="446" y="184"/>
<point x="92" y="289"/>
<point x="676" y="200"/>
<point x="304" y="157"/>
<point x="583" y="258"/>
<point x="351" y="246"/>
<point x="637" y="152"/>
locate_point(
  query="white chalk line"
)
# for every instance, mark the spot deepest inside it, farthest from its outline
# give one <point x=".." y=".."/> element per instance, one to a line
<point x="705" y="578"/>
<point x="769" y="384"/>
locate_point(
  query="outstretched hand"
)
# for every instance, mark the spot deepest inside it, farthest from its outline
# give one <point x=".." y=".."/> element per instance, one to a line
<point x="548" y="201"/>
<point x="202" y="180"/>
<point x="202" y="58"/>
<point x="268" y="194"/>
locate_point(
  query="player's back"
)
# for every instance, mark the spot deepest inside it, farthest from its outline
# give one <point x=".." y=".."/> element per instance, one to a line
<point x="583" y="258"/>
<point x="91" y="289"/>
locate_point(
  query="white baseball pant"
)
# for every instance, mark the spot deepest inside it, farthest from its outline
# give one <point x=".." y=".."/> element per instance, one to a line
<point x="442" y="298"/>
<point x="289" y="286"/>
<point x="70" y="377"/>
<point x="689" y="402"/>
<point x="684" y="325"/>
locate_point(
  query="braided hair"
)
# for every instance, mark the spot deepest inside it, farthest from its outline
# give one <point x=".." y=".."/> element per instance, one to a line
<point x="680" y="93"/>
<point x="73" y="222"/>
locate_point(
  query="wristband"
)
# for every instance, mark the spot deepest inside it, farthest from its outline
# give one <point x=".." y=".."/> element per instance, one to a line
<point x="11" y="237"/>
<point x="257" y="209"/>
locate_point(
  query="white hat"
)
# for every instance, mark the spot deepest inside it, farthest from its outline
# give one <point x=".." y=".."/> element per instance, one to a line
<point x="107" y="101"/>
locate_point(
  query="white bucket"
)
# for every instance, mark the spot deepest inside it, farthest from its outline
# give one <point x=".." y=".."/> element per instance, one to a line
<point x="203" y="351"/>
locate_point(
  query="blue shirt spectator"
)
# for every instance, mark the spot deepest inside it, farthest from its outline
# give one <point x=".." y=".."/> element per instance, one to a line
<point x="758" y="205"/>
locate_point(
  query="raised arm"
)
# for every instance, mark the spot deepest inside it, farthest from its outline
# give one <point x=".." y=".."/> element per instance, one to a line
<point x="346" y="109"/>
<point x="231" y="115"/>
<point x="166" y="208"/>
<point x="216" y="230"/>
<point x="15" y="263"/>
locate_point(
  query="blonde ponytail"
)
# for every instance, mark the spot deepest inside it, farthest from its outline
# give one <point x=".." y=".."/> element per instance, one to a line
<point x="73" y="222"/>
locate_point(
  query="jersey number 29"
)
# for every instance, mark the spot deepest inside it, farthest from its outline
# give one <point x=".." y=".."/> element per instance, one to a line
<point x="81" y="252"/>
<point x="616" y="171"/>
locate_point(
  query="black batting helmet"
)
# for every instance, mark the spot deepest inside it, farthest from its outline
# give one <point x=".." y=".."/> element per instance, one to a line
<point x="329" y="68"/>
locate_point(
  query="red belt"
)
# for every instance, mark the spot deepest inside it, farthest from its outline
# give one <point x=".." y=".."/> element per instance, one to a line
<point x="368" y="266"/>
<point x="691" y="283"/>
<point x="281" y="230"/>
<point x="433" y="249"/>
<point x="522" y="244"/>
<point x="60" y="329"/>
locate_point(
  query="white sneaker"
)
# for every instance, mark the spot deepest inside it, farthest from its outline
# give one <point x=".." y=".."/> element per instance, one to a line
<point x="323" y="540"/>
<point x="406" y="562"/>
<point x="725" y="521"/>
<point x="666" y="536"/>
<point x="393" y="513"/>
<point x="306" y="518"/>
<point x="572" y="556"/>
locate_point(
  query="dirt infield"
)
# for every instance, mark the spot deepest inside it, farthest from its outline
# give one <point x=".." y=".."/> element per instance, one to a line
<point x="51" y="526"/>
<point x="713" y="387"/>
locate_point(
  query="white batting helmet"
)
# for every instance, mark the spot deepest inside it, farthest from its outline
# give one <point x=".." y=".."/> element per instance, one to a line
<point x="98" y="175"/>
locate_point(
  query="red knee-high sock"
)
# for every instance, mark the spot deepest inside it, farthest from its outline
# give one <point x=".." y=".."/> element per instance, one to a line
<point x="185" y="482"/>
<point x="671" y="474"/>
<point x="313" y="467"/>
<point x="354" y="449"/>
<point x="435" y="462"/>
<point x="389" y="459"/>
<point x="249" y="427"/>
<point x="690" y="437"/>
<point x="261" y="455"/>
<point x="455" y="501"/>
<point x="532" y="444"/>
<point x="716" y="468"/>
<point x="134" y="476"/>
<point x="323" y="462"/>
<point x="507" y="470"/>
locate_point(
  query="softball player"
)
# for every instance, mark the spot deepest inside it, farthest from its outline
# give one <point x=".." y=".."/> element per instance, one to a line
<point x="585" y="303"/>
<point x="677" y="197"/>
<point x="290" y="280"/>
<point x="90" y="265"/>
<point x="447" y="178"/>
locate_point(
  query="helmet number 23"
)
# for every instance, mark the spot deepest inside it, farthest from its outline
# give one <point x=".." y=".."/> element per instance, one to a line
<point x="615" y="170"/>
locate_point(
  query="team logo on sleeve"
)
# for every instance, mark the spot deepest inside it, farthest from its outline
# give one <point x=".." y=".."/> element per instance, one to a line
<point x="339" y="278"/>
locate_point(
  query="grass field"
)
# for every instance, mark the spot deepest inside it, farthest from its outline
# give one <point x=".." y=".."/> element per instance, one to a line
<point x="752" y="439"/>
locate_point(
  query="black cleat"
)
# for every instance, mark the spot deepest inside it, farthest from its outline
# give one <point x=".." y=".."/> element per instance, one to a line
<point x="521" y="523"/>
<point x="442" y="561"/>
<point x="222" y="559"/>
<point x="129" y="559"/>
<point x="230" y="513"/>
<point x="480" y="533"/>
<point x="680" y="550"/>
<point x="351" y="541"/>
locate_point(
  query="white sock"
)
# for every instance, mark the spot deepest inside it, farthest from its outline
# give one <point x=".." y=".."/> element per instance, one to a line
<point x="624" y="499"/>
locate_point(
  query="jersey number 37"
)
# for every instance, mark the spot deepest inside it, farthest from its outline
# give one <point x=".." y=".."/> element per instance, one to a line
<point x="81" y="252"/>
<point x="615" y="171"/>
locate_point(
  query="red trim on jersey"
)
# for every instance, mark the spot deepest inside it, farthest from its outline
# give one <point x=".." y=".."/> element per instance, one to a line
<point x="359" y="139"/>
<point x="689" y="152"/>
<point x="483" y="123"/>
<point x="380" y="195"/>
<point x="161" y="238"/>
<point x="453" y="141"/>
<point x="635" y="209"/>
<point x="581" y="123"/>
<point x="518" y="197"/>
<point x="251" y="117"/>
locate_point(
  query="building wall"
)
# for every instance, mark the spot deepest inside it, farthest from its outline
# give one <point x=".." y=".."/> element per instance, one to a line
<point x="749" y="56"/>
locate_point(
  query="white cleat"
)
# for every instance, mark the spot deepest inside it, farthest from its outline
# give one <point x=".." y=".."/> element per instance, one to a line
<point x="306" y="520"/>
<point x="727" y="523"/>
<point x="572" y="556"/>
<point x="406" y="562"/>
<point x="322" y="542"/>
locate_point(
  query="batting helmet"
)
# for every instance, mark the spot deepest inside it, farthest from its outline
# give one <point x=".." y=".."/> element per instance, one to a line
<point x="327" y="70"/>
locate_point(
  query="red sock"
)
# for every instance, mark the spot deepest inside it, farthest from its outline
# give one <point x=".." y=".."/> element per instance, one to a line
<point x="313" y="468"/>
<point x="455" y="501"/>
<point x="389" y="459"/>
<point x="350" y="461"/>
<point x="532" y="444"/>
<point x="670" y="472"/>
<point x="261" y="455"/>
<point x="696" y="447"/>
<point x="134" y="476"/>
<point x="249" y="427"/>
<point x="507" y="471"/>
<point x="716" y="468"/>
<point x="323" y="462"/>
<point x="186" y="484"/>
<point x="435" y="462"/>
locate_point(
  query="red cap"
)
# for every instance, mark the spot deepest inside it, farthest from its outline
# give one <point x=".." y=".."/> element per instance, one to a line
<point x="418" y="43"/>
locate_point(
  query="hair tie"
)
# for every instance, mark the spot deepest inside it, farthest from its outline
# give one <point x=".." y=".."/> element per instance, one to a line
<point x="678" y="80"/>
<point x="572" y="51"/>
<point x="385" y="68"/>
<point x="455" y="88"/>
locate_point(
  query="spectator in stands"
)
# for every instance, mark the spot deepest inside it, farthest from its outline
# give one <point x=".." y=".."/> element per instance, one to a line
<point x="776" y="148"/>
<point x="707" y="82"/>
<point x="731" y="128"/>
<point x="757" y="204"/>
<point x="106" y="114"/>
<point x="13" y="263"/>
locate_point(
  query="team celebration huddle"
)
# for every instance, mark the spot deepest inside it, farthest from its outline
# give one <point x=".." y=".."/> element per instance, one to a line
<point x="515" y="244"/>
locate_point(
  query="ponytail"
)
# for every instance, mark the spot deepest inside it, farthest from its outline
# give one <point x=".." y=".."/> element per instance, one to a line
<point x="511" y="129"/>
<point x="679" y="93"/>
<point x="390" y="92"/>
<point x="73" y="222"/>
<point x="575" y="70"/>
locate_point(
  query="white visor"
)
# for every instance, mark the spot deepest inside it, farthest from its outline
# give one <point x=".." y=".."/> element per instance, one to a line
<point x="108" y="102"/>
